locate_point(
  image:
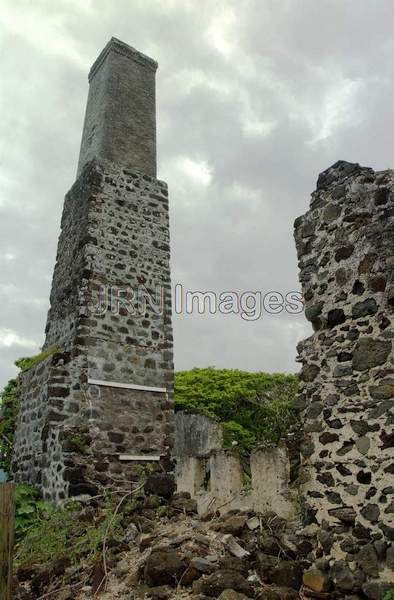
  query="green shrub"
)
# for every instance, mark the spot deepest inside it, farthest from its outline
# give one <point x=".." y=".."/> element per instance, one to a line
<point x="58" y="530"/>
<point x="389" y="595"/>
<point x="28" y="508"/>
<point x="253" y="407"/>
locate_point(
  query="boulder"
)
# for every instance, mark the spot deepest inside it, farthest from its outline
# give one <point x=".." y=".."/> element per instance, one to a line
<point x="376" y="590"/>
<point x="342" y="576"/>
<point x="287" y="573"/>
<point x="164" y="567"/>
<point x="233" y="525"/>
<point x="316" y="580"/>
<point x="187" y="505"/>
<point x="216" y="583"/>
<point x="284" y="573"/>
<point x="277" y="593"/>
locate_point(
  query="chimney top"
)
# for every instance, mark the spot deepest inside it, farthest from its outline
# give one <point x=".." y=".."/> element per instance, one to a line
<point x="116" y="45"/>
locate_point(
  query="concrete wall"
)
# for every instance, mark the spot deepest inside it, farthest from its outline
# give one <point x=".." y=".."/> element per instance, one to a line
<point x="345" y="245"/>
<point x="217" y="478"/>
<point x="196" y="435"/>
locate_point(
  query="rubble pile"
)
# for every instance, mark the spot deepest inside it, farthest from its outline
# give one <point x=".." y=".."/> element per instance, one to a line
<point x="167" y="551"/>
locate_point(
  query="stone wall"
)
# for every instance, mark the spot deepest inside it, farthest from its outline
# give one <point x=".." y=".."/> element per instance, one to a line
<point x="345" y="246"/>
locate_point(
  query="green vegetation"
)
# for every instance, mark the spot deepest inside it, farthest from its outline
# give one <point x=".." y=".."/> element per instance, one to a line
<point x="28" y="362"/>
<point x="389" y="595"/>
<point x="9" y="407"/>
<point x="76" y="440"/>
<point x="253" y="407"/>
<point x="28" y="509"/>
<point x="54" y="530"/>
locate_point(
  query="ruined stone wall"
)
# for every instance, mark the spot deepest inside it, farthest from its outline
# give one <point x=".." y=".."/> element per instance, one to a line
<point x="52" y="405"/>
<point x="345" y="246"/>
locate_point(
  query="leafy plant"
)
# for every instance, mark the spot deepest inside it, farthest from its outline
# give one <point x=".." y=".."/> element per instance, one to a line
<point x="57" y="530"/>
<point x="389" y="595"/>
<point x="28" y="508"/>
<point x="253" y="407"/>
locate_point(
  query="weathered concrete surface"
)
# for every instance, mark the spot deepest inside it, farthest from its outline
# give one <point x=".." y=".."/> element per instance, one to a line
<point x="345" y="245"/>
<point x="196" y="435"/>
<point x="218" y="482"/>
<point x="216" y="477"/>
<point x="270" y="476"/>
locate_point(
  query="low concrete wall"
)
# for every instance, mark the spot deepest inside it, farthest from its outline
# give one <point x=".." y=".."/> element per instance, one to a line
<point x="216" y="477"/>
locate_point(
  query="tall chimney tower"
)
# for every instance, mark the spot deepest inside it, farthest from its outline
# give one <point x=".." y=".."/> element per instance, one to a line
<point x="101" y="404"/>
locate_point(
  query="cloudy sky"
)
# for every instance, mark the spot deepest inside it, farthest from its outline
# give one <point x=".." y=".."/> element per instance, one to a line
<point x="255" y="98"/>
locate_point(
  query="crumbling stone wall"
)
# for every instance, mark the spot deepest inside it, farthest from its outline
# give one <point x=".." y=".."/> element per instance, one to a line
<point x="345" y="246"/>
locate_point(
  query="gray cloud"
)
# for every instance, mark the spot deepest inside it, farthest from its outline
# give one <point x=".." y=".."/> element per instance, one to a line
<point x="254" y="100"/>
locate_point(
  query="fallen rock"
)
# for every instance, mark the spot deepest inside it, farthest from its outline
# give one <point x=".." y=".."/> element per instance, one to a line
<point x="187" y="505"/>
<point x="164" y="567"/>
<point x="287" y="573"/>
<point x="345" y="514"/>
<point x="216" y="583"/>
<point x="131" y="533"/>
<point x="270" y="545"/>
<point x="232" y="595"/>
<point x="204" y="565"/>
<point x="265" y="564"/>
<point x="342" y="576"/>
<point x="316" y="580"/>
<point x="253" y="523"/>
<point x="231" y="563"/>
<point x="161" y="592"/>
<point x="367" y="560"/>
<point x="146" y="539"/>
<point x="233" y="547"/>
<point x="376" y="590"/>
<point x="122" y="568"/>
<point x="277" y="593"/>
<point x="233" y="525"/>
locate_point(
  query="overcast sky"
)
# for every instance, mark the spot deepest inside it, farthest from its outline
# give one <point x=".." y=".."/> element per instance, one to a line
<point x="255" y="98"/>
